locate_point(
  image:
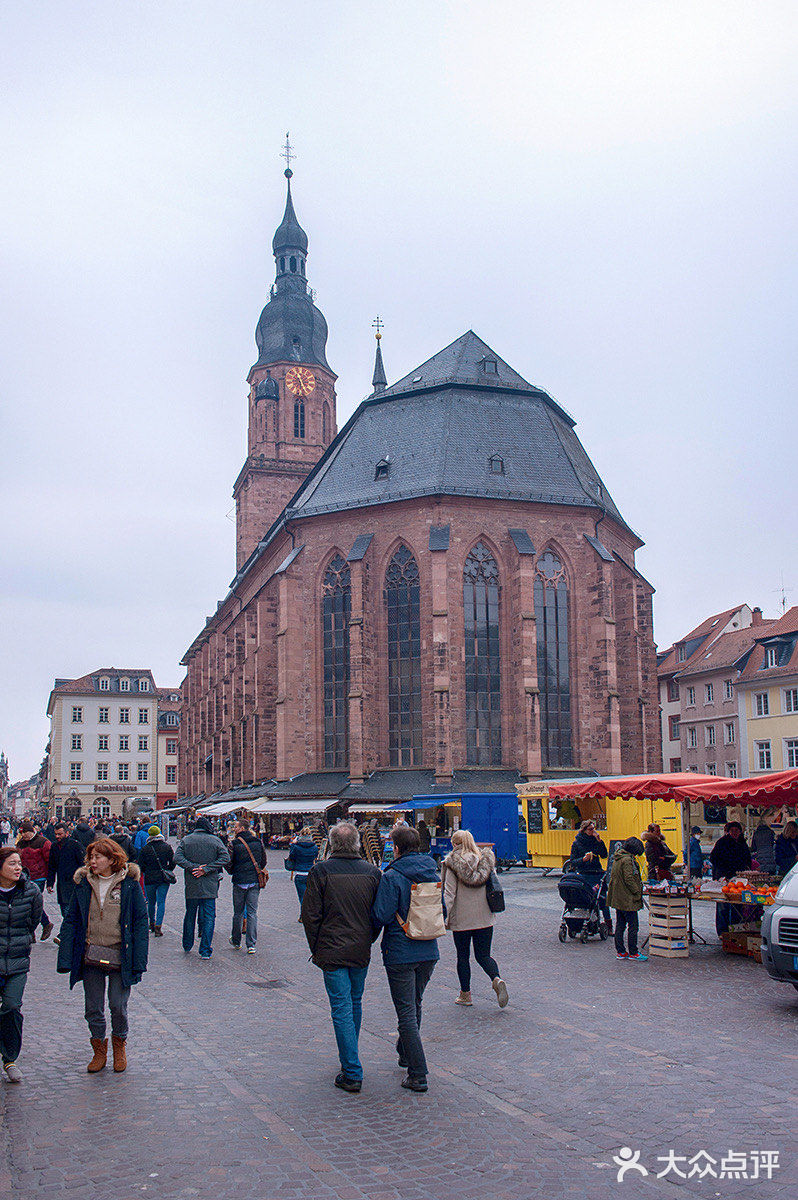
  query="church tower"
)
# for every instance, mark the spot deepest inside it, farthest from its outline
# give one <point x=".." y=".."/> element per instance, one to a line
<point x="292" y="416"/>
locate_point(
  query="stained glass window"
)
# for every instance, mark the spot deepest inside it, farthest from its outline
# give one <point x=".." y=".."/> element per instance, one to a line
<point x="402" y="602"/>
<point x="335" y="609"/>
<point x="482" y="670"/>
<point x="554" y="675"/>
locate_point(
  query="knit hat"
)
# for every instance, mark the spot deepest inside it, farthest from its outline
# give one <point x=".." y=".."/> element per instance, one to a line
<point x="154" y="830"/>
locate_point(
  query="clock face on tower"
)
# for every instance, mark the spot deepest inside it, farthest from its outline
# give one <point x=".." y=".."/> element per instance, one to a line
<point x="300" y="381"/>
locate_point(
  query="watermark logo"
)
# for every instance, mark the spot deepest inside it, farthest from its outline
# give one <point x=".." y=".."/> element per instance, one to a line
<point x="735" y="1164"/>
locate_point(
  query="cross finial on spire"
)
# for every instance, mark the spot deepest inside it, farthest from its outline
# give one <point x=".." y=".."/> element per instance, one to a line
<point x="288" y="153"/>
<point x="377" y="325"/>
<point x="379" y="381"/>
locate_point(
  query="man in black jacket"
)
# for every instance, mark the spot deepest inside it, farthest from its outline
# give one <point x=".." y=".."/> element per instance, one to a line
<point x="83" y="833"/>
<point x="336" y="913"/>
<point x="247" y="855"/>
<point x="66" y="855"/>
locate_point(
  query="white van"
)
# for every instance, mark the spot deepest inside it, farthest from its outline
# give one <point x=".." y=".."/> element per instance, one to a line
<point x="780" y="931"/>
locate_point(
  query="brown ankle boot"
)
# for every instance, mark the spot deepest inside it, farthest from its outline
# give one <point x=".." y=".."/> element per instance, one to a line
<point x="156" y="929"/>
<point x="120" y="1058"/>
<point x="100" y="1048"/>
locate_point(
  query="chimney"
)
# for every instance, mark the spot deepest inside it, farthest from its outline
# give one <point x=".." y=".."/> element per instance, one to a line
<point x="756" y="616"/>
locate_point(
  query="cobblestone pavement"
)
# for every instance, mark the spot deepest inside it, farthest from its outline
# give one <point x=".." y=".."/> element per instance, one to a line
<point x="229" y="1089"/>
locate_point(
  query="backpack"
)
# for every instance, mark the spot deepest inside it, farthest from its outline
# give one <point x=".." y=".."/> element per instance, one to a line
<point x="425" y="914"/>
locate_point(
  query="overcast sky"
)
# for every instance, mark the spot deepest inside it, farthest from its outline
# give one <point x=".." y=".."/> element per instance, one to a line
<point x="605" y="192"/>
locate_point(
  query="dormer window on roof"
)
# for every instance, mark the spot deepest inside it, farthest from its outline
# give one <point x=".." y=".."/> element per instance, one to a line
<point x="144" y="685"/>
<point x="124" y="685"/>
<point x="382" y="469"/>
<point x="680" y="655"/>
<point x="105" y="684"/>
<point x="489" y="366"/>
<point x="496" y="464"/>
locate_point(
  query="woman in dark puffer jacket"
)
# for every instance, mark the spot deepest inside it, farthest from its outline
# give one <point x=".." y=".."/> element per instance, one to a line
<point x="20" y="913"/>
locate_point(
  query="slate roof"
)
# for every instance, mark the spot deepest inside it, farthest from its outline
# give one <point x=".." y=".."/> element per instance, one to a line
<point x="289" y="234"/>
<point x="440" y="425"/>
<point x="725" y="651"/>
<point x="786" y="629"/>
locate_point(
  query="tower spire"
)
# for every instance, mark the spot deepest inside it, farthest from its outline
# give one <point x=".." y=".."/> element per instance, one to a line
<point x="379" y="381"/>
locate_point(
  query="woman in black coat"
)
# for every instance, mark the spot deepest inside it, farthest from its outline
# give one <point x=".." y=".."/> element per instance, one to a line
<point x="729" y="855"/>
<point x="107" y="919"/>
<point x="20" y="913"/>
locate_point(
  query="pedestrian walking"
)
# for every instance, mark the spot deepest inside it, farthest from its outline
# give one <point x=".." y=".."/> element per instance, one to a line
<point x="157" y="862"/>
<point x="625" y="895"/>
<point x="83" y="833"/>
<point x="34" y="850"/>
<point x="587" y="850"/>
<point x="122" y="838"/>
<point x="247" y="866"/>
<point x="20" y="912"/>
<point x="409" y="960"/>
<point x="466" y="873"/>
<point x="302" y="854"/>
<point x="141" y="835"/>
<point x="336" y="914"/>
<point x="66" y="856"/>
<point x="202" y="857"/>
<point x="104" y="944"/>
<point x="5" y="831"/>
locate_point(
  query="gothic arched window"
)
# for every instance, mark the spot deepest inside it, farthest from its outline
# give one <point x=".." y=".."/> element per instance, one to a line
<point x="402" y="603"/>
<point x="299" y="418"/>
<point x="554" y="674"/>
<point x="482" y="670"/>
<point x="336" y="605"/>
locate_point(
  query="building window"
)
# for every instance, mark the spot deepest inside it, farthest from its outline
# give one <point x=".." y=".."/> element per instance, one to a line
<point x="730" y="733"/>
<point x="382" y="469"/>
<point x="123" y="772"/>
<point x="124" y="716"/>
<point x="144" y="745"/>
<point x="171" y="745"/>
<point x="496" y="464"/>
<point x="171" y="774"/>
<point x="673" y="689"/>
<point x="712" y="768"/>
<point x="77" y="741"/>
<point x="680" y="654"/>
<point x="761" y="704"/>
<point x="299" y="419"/>
<point x="482" y="670"/>
<point x="763" y="756"/>
<point x="75" y="772"/>
<point x="336" y="606"/>
<point x="553" y="661"/>
<point x="691" y="697"/>
<point x="673" y="728"/>
<point x="692" y="737"/>
<point x="490" y="366"/>
<point x="771" y="656"/>
<point x="791" y="700"/>
<point x="710" y="735"/>
<point x="170" y="719"/>
<point x="102" y="807"/>
<point x="143" y="772"/>
<point x="731" y="770"/>
<point x="124" y="685"/>
<point x="402" y="602"/>
<point x="675" y="766"/>
<point x="709" y="693"/>
<point x="728" y="689"/>
<point x="144" y="716"/>
<point x="102" y="741"/>
<point x="325" y="424"/>
<point x="144" y="685"/>
<point x="791" y="753"/>
<point x="77" y="714"/>
<point x="124" y="741"/>
<point x="105" y="684"/>
<point x="102" y="772"/>
<point x="103" y="717"/>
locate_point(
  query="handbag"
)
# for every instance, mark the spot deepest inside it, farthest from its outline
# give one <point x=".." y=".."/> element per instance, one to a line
<point x="105" y="958"/>
<point x="261" y="872"/>
<point x="494" y="893"/>
<point x="168" y="876"/>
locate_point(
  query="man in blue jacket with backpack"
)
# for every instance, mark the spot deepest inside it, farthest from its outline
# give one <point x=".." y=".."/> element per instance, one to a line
<point x="412" y="919"/>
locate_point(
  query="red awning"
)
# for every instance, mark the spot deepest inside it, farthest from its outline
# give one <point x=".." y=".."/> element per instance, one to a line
<point x="771" y="790"/>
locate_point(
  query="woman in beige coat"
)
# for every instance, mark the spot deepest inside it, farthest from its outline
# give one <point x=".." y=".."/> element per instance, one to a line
<point x="465" y="874"/>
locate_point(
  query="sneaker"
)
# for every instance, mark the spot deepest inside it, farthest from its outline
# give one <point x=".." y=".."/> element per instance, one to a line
<point x="500" y="988"/>
<point x="13" y="1073"/>
<point x="250" y="949"/>
<point x="639" y="957"/>
<point x="621" y="954"/>
<point x="346" y="1084"/>
<point x="235" y="945"/>
<point x="205" y="958"/>
<point x="414" y="1085"/>
<point x="465" y="999"/>
<point x="47" y="930"/>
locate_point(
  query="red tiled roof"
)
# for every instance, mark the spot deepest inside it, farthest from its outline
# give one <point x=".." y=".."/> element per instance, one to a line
<point x="725" y="651"/>
<point x="784" y="625"/>
<point x="716" y="621"/>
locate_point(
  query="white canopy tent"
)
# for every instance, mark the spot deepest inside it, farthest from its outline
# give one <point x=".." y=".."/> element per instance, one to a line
<point x="283" y="807"/>
<point x="378" y="808"/>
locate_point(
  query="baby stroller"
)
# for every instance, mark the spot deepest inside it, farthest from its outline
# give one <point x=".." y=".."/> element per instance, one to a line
<point x="583" y="901"/>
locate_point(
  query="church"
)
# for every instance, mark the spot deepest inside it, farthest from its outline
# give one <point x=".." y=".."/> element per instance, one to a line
<point x="441" y="595"/>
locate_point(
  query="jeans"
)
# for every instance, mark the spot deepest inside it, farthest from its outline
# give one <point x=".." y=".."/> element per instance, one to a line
<point x="300" y="883"/>
<point x="11" y="989"/>
<point x="41" y="885"/>
<point x="345" y="990"/>
<point x="245" y="898"/>
<point x="462" y="942"/>
<point x="626" y="920"/>
<point x="407" y="983"/>
<point x="94" y="993"/>
<point x="201" y="912"/>
<point x="156" y="901"/>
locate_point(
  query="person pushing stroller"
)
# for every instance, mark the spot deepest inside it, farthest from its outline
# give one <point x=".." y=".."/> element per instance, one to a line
<point x="587" y="851"/>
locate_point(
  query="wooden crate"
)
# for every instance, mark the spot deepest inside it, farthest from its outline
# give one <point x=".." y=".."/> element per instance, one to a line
<point x="668" y="922"/>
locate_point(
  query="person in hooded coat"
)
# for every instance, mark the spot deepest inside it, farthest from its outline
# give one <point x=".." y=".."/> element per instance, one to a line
<point x="302" y="854"/>
<point x="20" y="913"/>
<point x="155" y="859"/>
<point x="408" y="962"/>
<point x="83" y="833"/>
<point x="625" y="895"/>
<point x="465" y="873"/>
